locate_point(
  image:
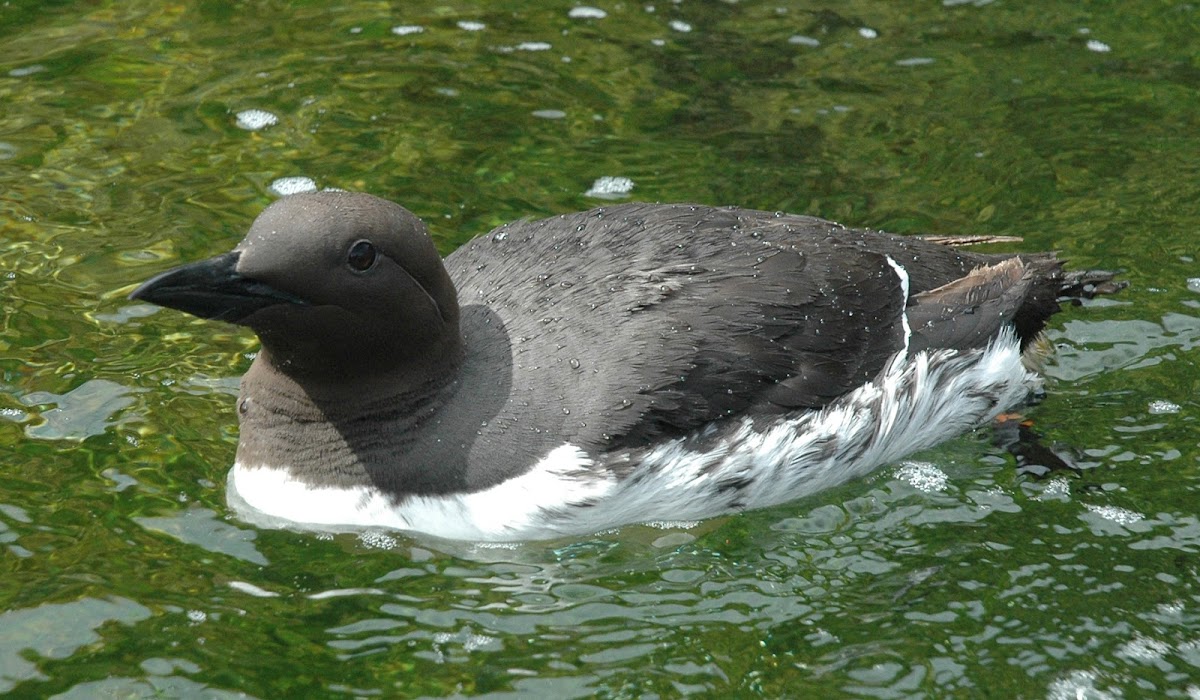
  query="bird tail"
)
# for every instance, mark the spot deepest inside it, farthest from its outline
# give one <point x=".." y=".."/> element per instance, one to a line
<point x="1075" y="285"/>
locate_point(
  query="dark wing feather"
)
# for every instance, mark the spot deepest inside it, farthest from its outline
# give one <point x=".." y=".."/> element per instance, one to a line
<point x="970" y="310"/>
<point x="668" y="317"/>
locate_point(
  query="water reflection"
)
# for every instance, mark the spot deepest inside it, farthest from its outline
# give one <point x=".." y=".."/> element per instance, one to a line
<point x="1088" y="348"/>
<point x="56" y="631"/>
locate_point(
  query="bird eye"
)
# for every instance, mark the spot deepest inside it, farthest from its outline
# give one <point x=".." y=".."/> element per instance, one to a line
<point x="361" y="256"/>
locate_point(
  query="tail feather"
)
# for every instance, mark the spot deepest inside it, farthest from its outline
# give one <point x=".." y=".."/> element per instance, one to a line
<point x="1087" y="284"/>
<point x="1025" y="290"/>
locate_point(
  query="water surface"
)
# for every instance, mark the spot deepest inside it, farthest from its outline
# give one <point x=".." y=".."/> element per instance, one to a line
<point x="139" y="135"/>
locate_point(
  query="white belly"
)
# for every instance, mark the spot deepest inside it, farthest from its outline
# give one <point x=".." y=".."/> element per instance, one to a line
<point x="914" y="404"/>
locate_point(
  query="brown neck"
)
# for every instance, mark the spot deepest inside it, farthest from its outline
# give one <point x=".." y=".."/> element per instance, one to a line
<point x="336" y="397"/>
<point x="347" y="434"/>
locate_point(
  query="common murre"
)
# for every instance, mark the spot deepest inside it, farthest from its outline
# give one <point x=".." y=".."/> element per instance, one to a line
<point x="633" y="363"/>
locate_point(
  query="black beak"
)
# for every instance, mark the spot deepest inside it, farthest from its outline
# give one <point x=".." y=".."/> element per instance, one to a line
<point x="212" y="289"/>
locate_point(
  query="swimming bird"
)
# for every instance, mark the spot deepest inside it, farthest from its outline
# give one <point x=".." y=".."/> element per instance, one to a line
<point x="632" y="363"/>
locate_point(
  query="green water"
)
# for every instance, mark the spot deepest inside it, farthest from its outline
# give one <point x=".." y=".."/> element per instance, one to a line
<point x="124" y="576"/>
